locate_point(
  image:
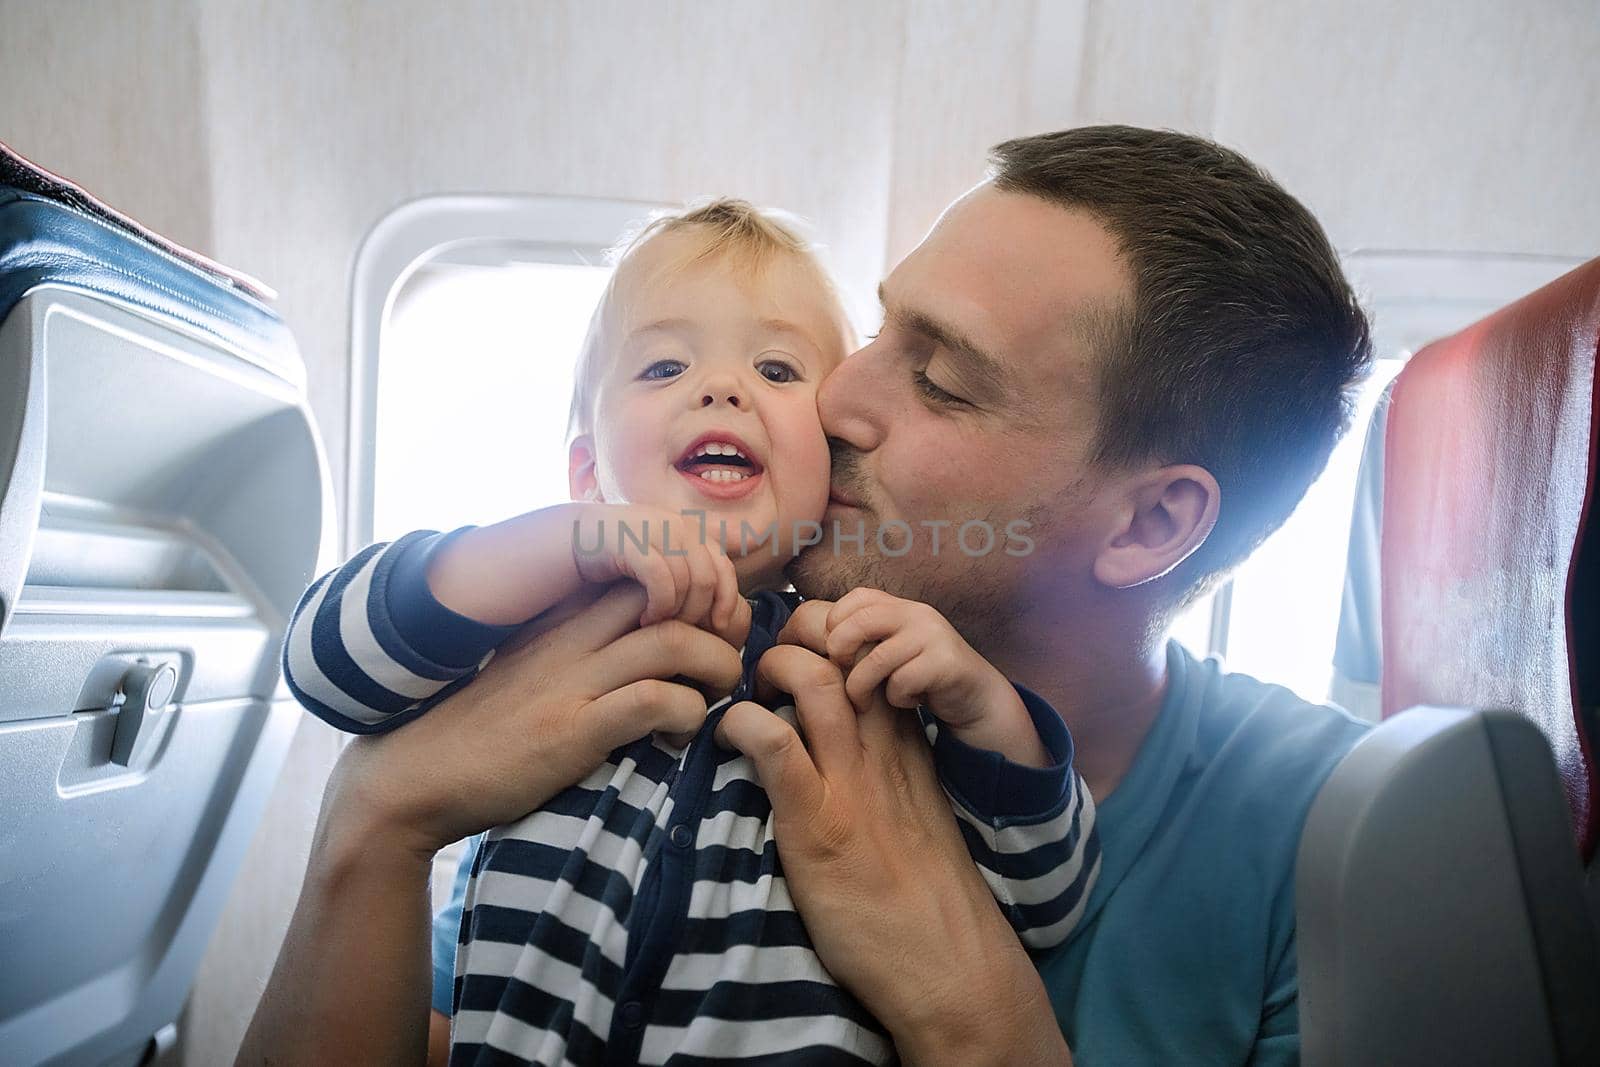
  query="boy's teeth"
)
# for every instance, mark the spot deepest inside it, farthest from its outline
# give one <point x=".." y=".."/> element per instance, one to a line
<point x="723" y="476"/>
<point x="719" y="448"/>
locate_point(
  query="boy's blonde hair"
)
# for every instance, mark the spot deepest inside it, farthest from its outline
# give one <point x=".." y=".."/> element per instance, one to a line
<point x="736" y="230"/>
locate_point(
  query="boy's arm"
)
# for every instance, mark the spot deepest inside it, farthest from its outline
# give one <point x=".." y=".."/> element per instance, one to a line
<point x="516" y="570"/>
<point x="505" y="574"/>
<point x="370" y="646"/>
<point x="1029" y="829"/>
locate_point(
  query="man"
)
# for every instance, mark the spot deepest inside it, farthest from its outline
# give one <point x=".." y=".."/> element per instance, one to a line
<point x="1141" y="346"/>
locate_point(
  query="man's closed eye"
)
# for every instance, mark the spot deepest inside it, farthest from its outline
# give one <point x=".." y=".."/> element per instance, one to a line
<point x="934" y="394"/>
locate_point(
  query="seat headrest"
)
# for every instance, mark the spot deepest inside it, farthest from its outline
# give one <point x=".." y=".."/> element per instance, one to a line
<point x="19" y="172"/>
<point x="1488" y="473"/>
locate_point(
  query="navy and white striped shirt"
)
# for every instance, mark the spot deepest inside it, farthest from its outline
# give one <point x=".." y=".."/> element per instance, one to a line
<point x="642" y="916"/>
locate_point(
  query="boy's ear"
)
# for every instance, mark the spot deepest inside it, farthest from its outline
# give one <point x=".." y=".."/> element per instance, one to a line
<point x="1166" y="516"/>
<point x="582" y="481"/>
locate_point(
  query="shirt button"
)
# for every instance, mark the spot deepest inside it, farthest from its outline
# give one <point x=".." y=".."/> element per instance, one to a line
<point x="681" y="836"/>
<point x="633" y="1015"/>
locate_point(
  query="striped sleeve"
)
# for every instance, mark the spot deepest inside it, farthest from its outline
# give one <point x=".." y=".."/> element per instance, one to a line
<point x="1030" y="830"/>
<point x="369" y="647"/>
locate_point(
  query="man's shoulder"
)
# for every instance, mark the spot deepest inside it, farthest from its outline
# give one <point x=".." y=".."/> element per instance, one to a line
<point x="1263" y="738"/>
<point x="1234" y="707"/>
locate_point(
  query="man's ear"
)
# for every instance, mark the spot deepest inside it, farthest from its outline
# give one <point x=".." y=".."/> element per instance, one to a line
<point x="582" y="480"/>
<point x="1166" y="516"/>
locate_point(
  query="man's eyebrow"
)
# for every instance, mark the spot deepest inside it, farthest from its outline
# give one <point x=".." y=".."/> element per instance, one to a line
<point x="983" y="366"/>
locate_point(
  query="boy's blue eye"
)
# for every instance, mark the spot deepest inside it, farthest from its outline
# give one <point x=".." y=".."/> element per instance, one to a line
<point x="662" y="369"/>
<point x="776" y="370"/>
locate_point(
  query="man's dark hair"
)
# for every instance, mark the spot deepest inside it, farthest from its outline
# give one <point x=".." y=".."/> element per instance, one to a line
<point x="1243" y="343"/>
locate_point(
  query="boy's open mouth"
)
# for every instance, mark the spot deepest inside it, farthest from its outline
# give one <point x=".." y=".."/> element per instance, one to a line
<point x="721" y="465"/>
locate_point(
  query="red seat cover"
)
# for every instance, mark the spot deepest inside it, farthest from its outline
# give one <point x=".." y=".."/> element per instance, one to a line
<point x="1488" y="469"/>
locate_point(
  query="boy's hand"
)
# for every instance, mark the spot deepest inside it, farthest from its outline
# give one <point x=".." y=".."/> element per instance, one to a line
<point x="685" y="575"/>
<point x="918" y="657"/>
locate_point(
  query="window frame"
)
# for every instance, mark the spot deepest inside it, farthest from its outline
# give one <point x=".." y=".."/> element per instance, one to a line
<point x="464" y="229"/>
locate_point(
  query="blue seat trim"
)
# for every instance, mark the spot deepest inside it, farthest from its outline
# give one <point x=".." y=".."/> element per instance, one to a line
<point x="45" y="242"/>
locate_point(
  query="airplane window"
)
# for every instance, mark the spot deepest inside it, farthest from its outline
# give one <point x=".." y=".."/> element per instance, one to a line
<point x="467" y="315"/>
<point x="473" y="387"/>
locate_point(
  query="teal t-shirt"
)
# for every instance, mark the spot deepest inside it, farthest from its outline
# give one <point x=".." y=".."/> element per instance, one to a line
<point x="1186" y="952"/>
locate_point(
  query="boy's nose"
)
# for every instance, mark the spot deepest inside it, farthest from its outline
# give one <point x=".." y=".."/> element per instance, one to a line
<point x="719" y="396"/>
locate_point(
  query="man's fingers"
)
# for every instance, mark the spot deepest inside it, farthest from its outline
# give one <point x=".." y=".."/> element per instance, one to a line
<point x="785" y="768"/>
<point x="590" y="619"/>
<point x="884" y="729"/>
<point x="823" y="708"/>
<point x="666" y="650"/>
<point x="648" y="705"/>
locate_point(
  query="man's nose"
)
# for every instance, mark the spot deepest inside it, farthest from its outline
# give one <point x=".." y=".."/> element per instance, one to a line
<point x="846" y="398"/>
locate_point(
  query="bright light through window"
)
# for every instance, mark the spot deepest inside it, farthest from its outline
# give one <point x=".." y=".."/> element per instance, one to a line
<point x="1285" y="600"/>
<point x="474" y="384"/>
<point x="1193" y="628"/>
<point x="1285" y="608"/>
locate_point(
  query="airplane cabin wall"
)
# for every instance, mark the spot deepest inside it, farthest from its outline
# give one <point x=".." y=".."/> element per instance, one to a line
<point x="274" y="135"/>
<point x="1434" y="125"/>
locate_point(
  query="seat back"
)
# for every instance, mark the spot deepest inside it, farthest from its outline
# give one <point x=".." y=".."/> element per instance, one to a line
<point x="163" y="501"/>
<point x="1488" y="472"/>
<point x="1442" y="913"/>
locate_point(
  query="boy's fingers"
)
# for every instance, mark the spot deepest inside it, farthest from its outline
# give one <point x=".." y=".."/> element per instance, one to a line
<point x="727" y="592"/>
<point x="666" y="650"/>
<point x="808" y="627"/>
<point x="782" y="763"/>
<point x="879" y="664"/>
<point x="855" y="600"/>
<point x="678" y="567"/>
<point x="702" y="586"/>
<point x="868" y="623"/>
<point x="652" y="572"/>
<point x="737" y="632"/>
<point x="911" y="682"/>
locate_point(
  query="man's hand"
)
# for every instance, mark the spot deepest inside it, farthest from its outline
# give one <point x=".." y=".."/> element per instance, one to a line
<point x="877" y="868"/>
<point x="351" y="982"/>
<point x="549" y="707"/>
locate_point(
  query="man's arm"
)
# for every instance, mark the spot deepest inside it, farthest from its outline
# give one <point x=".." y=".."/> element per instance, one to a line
<point x="438" y="1038"/>
<point x="876" y="865"/>
<point x="352" y="979"/>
